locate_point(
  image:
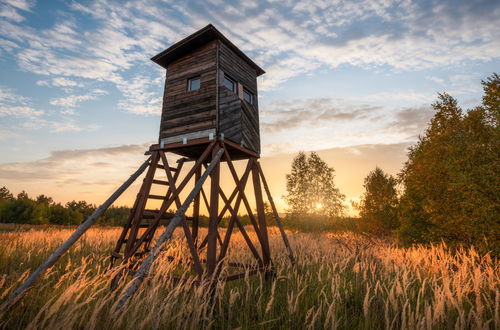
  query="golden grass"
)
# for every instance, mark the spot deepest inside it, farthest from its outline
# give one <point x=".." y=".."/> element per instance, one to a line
<point x="341" y="281"/>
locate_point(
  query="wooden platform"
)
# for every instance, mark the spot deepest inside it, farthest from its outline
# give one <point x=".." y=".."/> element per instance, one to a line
<point x="193" y="148"/>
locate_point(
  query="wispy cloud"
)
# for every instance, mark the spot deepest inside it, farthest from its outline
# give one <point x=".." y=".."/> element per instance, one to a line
<point x="73" y="100"/>
<point x="63" y="166"/>
<point x="287" y="38"/>
<point x="12" y="104"/>
<point x="285" y="115"/>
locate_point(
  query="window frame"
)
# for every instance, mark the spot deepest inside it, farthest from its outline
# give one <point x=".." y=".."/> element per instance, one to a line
<point x="191" y="80"/>
<point x="235" y="84"/>
<point x="252" y="96"/>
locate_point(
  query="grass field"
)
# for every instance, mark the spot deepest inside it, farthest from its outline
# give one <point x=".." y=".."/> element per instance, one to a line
<point x="341" y="281"/>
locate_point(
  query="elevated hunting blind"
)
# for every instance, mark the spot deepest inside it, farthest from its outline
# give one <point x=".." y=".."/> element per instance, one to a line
<point x="209" y="117"/>
<point x="210" y="90"/>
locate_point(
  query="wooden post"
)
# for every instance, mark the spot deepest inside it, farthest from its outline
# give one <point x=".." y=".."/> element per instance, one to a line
<point x="276" y="216"/>
<point x="167" y="234"/>
<point x="21" y="290"/>
<point x="266" y="253"/>
<point x="196" y="209"/>
<point x="214" y="217"/>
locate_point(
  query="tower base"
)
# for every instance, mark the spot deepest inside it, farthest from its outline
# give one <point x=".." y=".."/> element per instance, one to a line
<point x="207" y="252"/>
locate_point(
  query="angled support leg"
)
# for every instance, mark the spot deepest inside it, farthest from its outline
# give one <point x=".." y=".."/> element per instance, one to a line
<point x="214" y="217"/>
<point x="276" y="216"/>
<point x="261" y="214"/>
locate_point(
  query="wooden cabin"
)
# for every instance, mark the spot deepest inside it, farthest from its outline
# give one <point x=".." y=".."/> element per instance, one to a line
<point x="210" y="92"/>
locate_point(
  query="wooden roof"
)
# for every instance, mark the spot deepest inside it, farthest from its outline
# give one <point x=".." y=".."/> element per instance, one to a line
<point x="196" y="40"/>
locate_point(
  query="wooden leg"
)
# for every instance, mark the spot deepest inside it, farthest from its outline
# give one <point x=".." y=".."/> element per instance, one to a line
<point x="276" y="215"/>
<point x="196" y="209"/>
<point x="214" y="217"/>
<point x="266" y="253"/>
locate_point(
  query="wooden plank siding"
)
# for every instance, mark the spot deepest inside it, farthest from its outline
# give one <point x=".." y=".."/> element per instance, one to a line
<point x="187" y="112"/>
<point x="243" y="125"/>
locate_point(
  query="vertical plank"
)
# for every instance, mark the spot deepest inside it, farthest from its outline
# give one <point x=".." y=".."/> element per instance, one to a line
<point x="196" y="209"/>
<point x="214" y="217"/>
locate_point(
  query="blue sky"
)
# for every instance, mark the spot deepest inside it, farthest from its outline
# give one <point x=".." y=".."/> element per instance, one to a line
<point x="78" y="91"/>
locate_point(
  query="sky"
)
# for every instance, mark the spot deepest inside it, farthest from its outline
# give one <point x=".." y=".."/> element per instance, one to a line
<point x="80" y="99"/>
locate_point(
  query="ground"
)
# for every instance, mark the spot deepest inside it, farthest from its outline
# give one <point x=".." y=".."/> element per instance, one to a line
<point x="341" y="280"/>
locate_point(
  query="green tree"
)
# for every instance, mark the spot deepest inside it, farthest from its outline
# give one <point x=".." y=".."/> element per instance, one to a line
<point x="378" y="206"/>
<point x="61" y="215"/>
<point x="86" y="209"/>
<point x="311" y="189"/>
<point x="5" y="194"/>
<point x="43" y="199"/>
<point x="451" y="179"/>
<point x="6" y="198"/>
<point x="24" y="210"/>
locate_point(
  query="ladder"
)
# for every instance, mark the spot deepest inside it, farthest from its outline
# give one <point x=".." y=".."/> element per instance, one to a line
<point x="139" y="230"/>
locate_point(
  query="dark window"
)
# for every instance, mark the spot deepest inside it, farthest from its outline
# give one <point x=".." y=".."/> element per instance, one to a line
<point x="230" y="83"/>
<point x="247" y="96"/>
<point x="194" y="84"/>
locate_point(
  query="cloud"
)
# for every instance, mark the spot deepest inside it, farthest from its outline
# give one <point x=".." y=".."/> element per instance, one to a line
<point x="60" y="82"/>
<point x="12" y="104"/>
<point x="285" y="115"/>
<point x="73" y="100"/>
<point x="287" y="38"/>
<point x="80" y="174"/>
<point x="63" y="166"/>
<point x="411" y="121"/>
<point x="437" y="80"/>
<point x="6" y="134"/>
<point x="17" y="108"/>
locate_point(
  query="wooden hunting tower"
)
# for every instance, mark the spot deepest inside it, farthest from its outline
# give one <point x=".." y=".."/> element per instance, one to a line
<point x="210" y="117"/>
<point x="210" y="91"/>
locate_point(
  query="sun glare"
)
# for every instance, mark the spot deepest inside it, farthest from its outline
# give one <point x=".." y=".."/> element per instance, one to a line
<point x="319" y="206"/>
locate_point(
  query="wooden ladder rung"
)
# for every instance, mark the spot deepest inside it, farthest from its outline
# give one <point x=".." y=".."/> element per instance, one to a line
<point x="173" y="169"/>
<point x="153" y="214"/>
<point x="165" y="183"/>
<point x="156" y="197"/>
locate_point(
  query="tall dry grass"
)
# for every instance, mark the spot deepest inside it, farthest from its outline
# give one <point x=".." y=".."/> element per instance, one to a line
<point x="341" y="281"/>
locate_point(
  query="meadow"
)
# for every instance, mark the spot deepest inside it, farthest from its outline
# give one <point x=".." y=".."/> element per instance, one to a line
<point x="341" y="280"/>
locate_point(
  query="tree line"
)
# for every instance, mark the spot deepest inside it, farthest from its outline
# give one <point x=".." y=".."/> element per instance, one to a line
<point x="448" y="189"/>
<point x="43" y="210"/>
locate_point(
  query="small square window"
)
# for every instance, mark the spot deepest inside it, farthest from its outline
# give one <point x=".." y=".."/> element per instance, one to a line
<point x="194" y="84"/>
<point x="230" y="83"/>
<point x="247" y="96"/>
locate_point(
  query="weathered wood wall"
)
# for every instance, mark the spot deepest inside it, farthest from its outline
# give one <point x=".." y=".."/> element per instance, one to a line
<point x="189" y="112"/>
<point x="248" y="117"/>
<point x="186" y="112"/>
